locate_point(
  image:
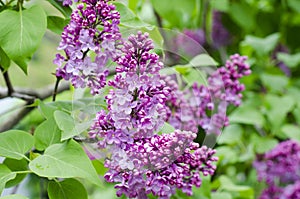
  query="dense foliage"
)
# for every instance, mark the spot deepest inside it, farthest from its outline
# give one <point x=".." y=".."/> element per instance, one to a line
<point x="152" y="99"/>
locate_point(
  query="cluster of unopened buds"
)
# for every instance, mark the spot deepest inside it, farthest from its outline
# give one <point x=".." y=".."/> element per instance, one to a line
<point x="143" y="158"/>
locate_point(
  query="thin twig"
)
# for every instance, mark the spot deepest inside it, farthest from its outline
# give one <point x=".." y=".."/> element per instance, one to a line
<point x="55" y="88"/>
<point x="2" y="2"/>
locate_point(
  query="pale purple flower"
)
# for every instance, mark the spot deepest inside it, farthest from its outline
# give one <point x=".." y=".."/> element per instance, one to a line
<point x="292" y="191"/>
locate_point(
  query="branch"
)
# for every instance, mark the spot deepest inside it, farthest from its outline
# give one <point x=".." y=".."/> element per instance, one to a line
<point x="8" y="83"/>
<point x="29" y="96"/>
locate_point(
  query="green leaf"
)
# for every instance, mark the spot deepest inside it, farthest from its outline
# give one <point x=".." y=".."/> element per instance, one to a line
<point x="278" y="108"/>
<point x="276" y="83"/>
<point x="191" y="75"/>
<point x="21" y="33"/>
<point x="99" y="166"/>
<point x="46" y="134"/>
<point x="5" y="176"/>
<point x="178" y="13"/>
<point x="15" y="143"/>
<point x="291" y="61"/>
<point x="291" y="131"/>
<point x="14" y="196"/>
<point x="263" y="46"/>
<point x="247" y="115"/>
<point x="68" y="106"/>
<point x="67" y="160"/>
<point x="226" y="155"/>
<point x="47" y="109"/>
<point x="133" y="4"/>
<point x="240" y="191"/>
<point x="203" y="60"/>
<point x="243" y="15"/>
<point x="294" y="4"/>
<point x="16" y="165"/>
<point x="166" y="129"/>
<point x="65" y="10"/>
<point x="68" y="125"/>
<point x="263" y="144"/>
<point x="219" y="195"/>
<point x="205" y="190"/>
<point x="67" y="189"/>
<point x="56" y="24"/>
<point x="128" y="18"/>
<point x="221" y="5"/>
<point x="4" y="60"/>
<point x="231" y="134"/>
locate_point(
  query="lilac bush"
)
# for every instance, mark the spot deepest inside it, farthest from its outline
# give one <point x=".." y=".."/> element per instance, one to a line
<point x="142" y="159"/>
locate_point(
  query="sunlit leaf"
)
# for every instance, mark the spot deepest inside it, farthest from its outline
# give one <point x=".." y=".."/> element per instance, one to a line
<point x="67" y="160"/>
<point x="47" y="134"/>
<point x="291" y="131"/>
<point x="21" y="33"/>
<point x="15" y="143"/>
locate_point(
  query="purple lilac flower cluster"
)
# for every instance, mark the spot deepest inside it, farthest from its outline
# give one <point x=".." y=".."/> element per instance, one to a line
<point x="280" y="169"/>
<point x="224" y="88"/>
<point x="141" y="160"/>
<point x="137" y="103"/>
<point x="159" y="170"/>
<point x="93" y="28"/>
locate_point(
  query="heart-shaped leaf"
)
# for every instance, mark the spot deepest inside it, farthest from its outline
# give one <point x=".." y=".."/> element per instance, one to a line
<point x="15" y="143"/>
<point x="66" y="160"/>
<point x="21" y="33"/>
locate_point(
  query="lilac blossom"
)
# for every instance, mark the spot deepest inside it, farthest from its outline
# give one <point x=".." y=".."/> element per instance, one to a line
<point x="160" y="171"/>
<point x="189" y="109"/>
<point x="292" y="191"/>
<point x="280" y="164"/>
<point x="271" y="192"/>
<point x="93" y="29"/>
<point x="141" y="161"/>
<point x="137" y="103"/>
<point x="280" y="169"/>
